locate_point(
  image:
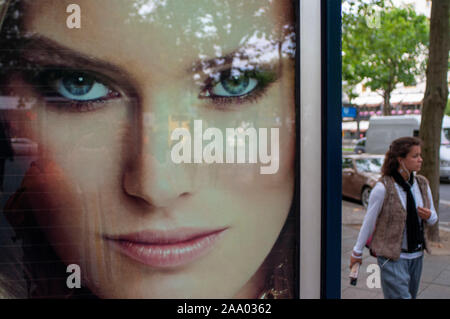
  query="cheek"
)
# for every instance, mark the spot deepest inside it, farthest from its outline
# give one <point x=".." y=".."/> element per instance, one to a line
<point x="264" y="179"/>
<point x="80" y="158"/>
<point x="86" y="146"/>
<point x="275" y="112"/>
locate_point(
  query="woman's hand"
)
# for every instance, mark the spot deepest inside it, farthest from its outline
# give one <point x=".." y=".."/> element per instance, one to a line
<point x="355" y="258"/>
<point x="423" y="213"/>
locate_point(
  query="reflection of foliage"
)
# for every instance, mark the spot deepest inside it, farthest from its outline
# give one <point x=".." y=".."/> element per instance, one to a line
<point x="384" y="50"/>
<point x="218" y="24"/>
<point x="209" y="23"/>
<point x="145" y="8"/>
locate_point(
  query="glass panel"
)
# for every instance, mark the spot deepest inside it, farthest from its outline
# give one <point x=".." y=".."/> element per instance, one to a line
<point x="159" y="156"/>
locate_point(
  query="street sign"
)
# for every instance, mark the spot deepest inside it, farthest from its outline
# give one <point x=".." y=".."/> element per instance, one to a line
<point x="349" y="111"/>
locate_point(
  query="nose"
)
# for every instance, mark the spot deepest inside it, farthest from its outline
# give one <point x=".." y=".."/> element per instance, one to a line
<point x="156" y="183"/>
<point x="149" y="174"/>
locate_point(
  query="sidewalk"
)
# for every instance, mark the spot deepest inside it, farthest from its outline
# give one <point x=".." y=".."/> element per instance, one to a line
<point x="435" y="282"/>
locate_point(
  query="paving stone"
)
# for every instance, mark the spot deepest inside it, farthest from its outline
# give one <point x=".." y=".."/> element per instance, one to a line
<point x="357" y="293"/>
<point x="433" y="266"/>
<point x="443" y="279"/>
<point x="435" y="292"/>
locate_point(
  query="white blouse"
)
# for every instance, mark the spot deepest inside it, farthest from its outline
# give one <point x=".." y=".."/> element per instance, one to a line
<point x="376" y="200"/>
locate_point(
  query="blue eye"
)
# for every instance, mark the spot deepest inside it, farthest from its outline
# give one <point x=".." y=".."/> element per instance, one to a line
<point x="238" y="84"/>
<point x="79" y="86"/>
<point x="72" y="90"/>
<point x="228" y="88"/>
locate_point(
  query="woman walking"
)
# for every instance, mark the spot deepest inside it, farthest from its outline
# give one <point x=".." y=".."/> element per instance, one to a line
<point x="399" y="205"/>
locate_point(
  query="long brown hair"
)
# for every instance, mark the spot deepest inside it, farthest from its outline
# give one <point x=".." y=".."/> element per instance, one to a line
<point x="398" y="148"/>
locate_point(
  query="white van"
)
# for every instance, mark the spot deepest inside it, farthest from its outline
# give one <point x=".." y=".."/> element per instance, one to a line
<point x="384" y="129"/>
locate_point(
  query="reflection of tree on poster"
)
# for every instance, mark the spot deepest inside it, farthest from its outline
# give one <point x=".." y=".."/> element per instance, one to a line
<point x="104" y="194"/>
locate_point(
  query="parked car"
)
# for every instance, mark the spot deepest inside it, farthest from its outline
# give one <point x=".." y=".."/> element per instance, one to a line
<point x="360" y="174"/>
<point x="360" y="146"/>
<point x="23" y="146"/>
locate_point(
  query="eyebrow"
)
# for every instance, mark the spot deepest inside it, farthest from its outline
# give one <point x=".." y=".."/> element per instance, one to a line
<point x="228" y="59"/>
<point x="43" y="50"/>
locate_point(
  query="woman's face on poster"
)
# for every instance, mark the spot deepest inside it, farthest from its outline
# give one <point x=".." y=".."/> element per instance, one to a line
<point x="107" y="98"/>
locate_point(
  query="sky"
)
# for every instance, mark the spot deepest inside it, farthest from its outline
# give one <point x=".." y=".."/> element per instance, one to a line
<point x="421" y="6"/>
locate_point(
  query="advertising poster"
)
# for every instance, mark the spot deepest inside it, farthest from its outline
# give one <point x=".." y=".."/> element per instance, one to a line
<point x="166" y="149"/>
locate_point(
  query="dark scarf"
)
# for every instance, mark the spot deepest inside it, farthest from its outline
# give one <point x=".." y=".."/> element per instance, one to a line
<point x="414" y="230"/>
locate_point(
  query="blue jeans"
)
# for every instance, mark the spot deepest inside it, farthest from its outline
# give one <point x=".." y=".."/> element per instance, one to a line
<point x="400" y="278"/>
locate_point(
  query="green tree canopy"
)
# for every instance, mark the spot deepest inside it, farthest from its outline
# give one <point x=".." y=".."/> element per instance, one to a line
<point x="382" y="45"/>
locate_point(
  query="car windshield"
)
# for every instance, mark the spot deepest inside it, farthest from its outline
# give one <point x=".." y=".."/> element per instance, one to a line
<point x="372" y="165"/>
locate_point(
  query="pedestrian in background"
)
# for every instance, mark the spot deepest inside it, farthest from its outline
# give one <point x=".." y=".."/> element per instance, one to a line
<point x="399" y="204"/>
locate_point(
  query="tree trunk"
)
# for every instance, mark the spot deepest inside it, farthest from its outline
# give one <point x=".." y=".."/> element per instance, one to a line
<point x="387" y="103"/>
<point x="435" y="100"/>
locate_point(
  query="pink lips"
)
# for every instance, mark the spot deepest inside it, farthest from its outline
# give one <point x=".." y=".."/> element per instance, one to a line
<point x="166" y="249"/>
